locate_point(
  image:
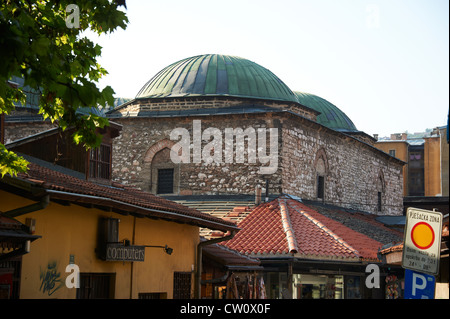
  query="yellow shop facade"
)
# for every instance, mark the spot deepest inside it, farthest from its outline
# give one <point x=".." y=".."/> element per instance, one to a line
<point x="101" y="241"/>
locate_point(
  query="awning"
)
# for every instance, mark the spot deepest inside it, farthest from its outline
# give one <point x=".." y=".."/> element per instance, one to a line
<point x="14" y="238"/>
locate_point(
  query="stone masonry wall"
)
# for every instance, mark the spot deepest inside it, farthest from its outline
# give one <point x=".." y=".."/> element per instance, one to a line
<point x="17" y="130"/>
<point x="174" y="104"/>
<point x="355" y="171"/>
<point x="142" y="139"/>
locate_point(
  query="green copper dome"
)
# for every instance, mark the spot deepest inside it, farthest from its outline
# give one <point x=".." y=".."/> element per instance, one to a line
<point x="216" y="75"/>
<point x="331" y="116"/>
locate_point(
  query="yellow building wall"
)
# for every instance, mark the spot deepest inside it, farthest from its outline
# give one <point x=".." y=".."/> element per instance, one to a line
<point x="444" y="162"/>
<point x="432" y="163"/>
<point x="401" y="152"/>
<point x="72" y="230"/>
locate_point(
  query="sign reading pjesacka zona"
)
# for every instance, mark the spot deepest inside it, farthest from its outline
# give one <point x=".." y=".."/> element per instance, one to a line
<point x="422" y="241"/>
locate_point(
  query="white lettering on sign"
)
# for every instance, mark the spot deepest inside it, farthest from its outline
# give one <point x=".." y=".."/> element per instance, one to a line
<point x="125" y="253"/>
<point x="415" y="284"/>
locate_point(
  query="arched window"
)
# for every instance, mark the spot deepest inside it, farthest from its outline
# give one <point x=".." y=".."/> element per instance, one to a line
<point x="380" y="191"/>
<point x="321" y="170"/>
<point x="164" y="173"/>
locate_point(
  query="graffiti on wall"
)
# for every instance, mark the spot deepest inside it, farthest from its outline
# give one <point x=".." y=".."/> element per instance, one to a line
<point x="50" y="278"/>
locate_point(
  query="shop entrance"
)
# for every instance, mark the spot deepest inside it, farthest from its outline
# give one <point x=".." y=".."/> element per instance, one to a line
<point x="317" y="287"/>
<point x="304" y="286"/>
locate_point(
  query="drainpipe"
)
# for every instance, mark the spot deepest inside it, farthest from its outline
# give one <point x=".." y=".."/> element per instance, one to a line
<point x="43" y="202"/>
<point x="198" y="275"/>
<point x="267" y="190"/>
<point x="257" y="195"/>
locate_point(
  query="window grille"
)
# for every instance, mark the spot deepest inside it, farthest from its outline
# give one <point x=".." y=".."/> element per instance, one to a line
<point x="320" y="187"/>
<point x="96" y="286"/>
<point x="152" y="295"/>
<point x="165" y="181"/>
<point x="181" y="285"/>
<point x="379" y="201"/>
<point x="100" y="162"/>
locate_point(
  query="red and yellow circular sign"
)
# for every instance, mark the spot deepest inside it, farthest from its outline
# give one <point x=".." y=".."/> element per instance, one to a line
<point x="422" y="235"/>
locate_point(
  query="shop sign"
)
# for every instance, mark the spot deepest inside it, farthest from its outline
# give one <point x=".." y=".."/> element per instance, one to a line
<point x="119" y="252"/>
<point x="422" y="241"/>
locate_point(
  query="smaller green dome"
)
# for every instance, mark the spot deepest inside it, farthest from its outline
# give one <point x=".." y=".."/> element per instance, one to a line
<point x="330" y="115"/>
<point x="216" y="75"/>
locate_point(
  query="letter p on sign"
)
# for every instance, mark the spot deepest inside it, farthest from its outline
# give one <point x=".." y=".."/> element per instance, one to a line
<point x="419" y="285"/>
<point x="415" y="282"/>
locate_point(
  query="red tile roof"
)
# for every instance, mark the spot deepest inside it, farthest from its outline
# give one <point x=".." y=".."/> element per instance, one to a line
<point x="286" y="226"/>
<point x="118" y="197"/>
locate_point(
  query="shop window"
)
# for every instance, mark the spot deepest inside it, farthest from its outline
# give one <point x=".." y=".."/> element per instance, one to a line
<point x="306" y="286"/>
<point x="353" y="287"/>
<point x="10" y="274"/>
<point x="100" y="162"/>
<point x="96" y="286"/>
<point x="165" y="181"/>
<point x="181" y="285"/>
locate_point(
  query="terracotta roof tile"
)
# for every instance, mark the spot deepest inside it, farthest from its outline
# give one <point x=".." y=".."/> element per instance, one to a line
<point x="302" y="231"/>
<point x="263" y="232"/>
<point x="118" y="197"/>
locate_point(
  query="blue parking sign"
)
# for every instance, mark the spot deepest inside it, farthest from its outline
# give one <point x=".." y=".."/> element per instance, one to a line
<point x="419" y="285"/>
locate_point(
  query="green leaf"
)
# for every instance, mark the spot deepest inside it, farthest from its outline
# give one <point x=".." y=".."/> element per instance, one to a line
<point x="53" y="59"/>
<point x="11" y="163"/>
<point x="40" y="45"/>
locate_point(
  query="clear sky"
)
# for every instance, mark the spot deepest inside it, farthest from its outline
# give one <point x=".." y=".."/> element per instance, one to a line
<point x="385" y="63"/>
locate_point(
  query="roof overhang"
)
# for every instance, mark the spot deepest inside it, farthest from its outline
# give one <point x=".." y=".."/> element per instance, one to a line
<point x="37" y="191"/>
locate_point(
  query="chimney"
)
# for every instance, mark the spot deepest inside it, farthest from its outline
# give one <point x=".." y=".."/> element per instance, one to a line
<point x="257" y="195"/>
<point x="399" y="137"/>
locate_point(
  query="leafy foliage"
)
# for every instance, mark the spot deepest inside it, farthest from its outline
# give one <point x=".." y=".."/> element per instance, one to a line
<point x="58" y="62"/>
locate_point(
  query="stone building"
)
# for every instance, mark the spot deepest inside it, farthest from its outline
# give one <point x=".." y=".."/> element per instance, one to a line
<point x="221" y="125"/>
